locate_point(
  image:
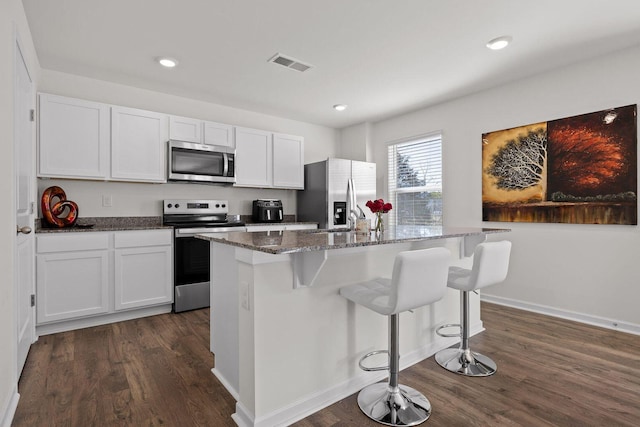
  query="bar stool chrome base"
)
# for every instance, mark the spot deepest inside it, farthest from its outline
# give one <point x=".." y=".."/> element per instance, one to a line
<point x="402" y="406"/>
<point x="466" y="362"/>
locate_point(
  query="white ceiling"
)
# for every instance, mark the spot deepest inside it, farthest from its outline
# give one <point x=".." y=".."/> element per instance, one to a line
<point x="381" y="57"/>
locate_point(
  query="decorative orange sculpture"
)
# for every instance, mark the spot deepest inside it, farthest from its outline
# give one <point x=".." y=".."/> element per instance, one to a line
<point x="53" y="212"/>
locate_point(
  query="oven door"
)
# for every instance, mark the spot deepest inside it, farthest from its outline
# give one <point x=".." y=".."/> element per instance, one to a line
<point x="191" y="273"/>
<point x="200" y="163"/>
<point x="191" y="267"/>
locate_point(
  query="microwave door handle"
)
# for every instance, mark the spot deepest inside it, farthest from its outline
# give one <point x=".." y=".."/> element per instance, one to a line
<point x="225" y="168"/>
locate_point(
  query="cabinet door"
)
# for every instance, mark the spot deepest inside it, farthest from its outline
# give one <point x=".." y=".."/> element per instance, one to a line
<point x="253" y="158"/>
<point x="288" y="161"/>
<point x="138" y="145"/>
<point x="218" y="134"/>
<point x="73" y="139"/>
<point x="185" y="129"/>
<point x="72" y="275"/>
<point x="143" y="269"/>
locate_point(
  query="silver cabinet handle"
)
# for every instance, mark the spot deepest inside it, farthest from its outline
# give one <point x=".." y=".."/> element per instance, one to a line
<point x="24" y="230"/>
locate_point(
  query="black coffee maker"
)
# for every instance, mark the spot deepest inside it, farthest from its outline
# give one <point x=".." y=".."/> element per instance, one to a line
<point x="267" y="210"/>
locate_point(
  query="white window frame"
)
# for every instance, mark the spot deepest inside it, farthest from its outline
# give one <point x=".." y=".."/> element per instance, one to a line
<point x="391" y="193"/>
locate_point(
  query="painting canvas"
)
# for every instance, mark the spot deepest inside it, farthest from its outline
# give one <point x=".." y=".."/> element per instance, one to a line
<point x="580" y="170"/>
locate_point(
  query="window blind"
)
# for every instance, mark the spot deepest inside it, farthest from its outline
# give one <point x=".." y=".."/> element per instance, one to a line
<point x="415" y="181"/>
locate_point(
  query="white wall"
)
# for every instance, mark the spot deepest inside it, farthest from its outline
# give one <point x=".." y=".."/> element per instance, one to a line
<point x="12" y="19"/>
<point x="144" y="199"/>
<point x="586" y="269"/>
<point x="355" y="142"/>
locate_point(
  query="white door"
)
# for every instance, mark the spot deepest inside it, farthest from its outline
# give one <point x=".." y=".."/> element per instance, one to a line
<point x="25" y="180"/>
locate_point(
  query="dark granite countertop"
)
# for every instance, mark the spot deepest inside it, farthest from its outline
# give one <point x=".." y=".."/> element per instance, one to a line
<point x="283" y="242"/>
<point x="93" y="224"/>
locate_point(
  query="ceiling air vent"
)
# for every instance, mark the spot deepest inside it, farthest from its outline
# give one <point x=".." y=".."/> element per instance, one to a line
<point x="289" y="62"/>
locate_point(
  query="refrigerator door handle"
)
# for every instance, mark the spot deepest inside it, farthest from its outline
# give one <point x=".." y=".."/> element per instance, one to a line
<point x="352" y="201"/>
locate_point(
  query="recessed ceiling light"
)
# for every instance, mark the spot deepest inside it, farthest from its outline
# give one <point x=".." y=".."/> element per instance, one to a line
<point x="499" y="43"/>
<point x="167" y="62"/>
<point x="340" y="107"/>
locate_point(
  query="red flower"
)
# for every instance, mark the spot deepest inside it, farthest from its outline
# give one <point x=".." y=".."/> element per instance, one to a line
<point x="379" y="206"/>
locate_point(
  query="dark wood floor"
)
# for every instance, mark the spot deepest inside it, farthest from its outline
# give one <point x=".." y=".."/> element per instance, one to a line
<point x="156" y="371"/>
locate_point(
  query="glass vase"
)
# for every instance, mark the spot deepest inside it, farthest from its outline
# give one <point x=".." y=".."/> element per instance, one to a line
<point x="379" y="223"/>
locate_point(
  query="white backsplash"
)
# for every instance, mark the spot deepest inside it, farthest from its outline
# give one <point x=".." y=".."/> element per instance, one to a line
<point x="136" y="199"/>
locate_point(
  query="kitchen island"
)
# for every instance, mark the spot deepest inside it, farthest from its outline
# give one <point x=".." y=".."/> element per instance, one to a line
<point x="286" y="344"/>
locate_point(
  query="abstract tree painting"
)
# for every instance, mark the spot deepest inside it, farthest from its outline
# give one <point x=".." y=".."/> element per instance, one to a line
<point x="580" y="169"/>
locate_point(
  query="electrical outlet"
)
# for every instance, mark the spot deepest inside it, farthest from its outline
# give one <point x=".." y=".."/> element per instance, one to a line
<point x="107" y="200"/>
<point x="244" y="296"/>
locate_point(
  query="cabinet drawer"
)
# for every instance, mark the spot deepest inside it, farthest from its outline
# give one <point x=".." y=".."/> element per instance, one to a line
<point x="136" y="239"/>
<point x="69" y="242"/>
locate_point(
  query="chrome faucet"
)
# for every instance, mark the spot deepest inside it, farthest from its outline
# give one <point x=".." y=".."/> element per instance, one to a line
<point x="354" y="216"/>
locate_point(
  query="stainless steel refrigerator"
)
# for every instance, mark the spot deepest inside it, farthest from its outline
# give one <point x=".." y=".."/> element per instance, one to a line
<point x="334" y="189"/>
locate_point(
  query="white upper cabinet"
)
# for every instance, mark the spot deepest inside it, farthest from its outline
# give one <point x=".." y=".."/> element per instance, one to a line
<point x="254" y="158"/>
<point x="288" y="161"/>
<point x="90" y="140"/>
<point x="138" y="145"/>
<point x="218" y="134"/>
<point x="73" y="138"/>
<point x="268" y="160"/>
<point x="200" y="131"/>
<point x="185" y="129"/>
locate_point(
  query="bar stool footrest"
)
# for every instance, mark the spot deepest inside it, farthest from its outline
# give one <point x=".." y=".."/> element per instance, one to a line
<point x="375" y="368"/>
<point x="449" y="325"/>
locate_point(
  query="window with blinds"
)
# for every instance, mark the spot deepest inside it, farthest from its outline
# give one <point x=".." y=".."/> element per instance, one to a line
<point x="415" y="182"/>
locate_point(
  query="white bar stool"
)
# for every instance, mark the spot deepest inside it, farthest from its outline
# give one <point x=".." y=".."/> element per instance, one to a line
<point x="490" y="266"/>
<point x="419" y="278"/>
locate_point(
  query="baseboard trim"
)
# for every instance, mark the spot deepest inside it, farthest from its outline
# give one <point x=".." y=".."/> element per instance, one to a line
<point x="10" y="410"/>
<point x="616" y="325"/>
<point x="226" y="384"/>
<point x="104" y="319"/>
<point x="313" y="403"/>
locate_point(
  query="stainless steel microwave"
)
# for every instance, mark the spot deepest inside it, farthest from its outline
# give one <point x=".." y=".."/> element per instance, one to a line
<point x="201" y="163"/>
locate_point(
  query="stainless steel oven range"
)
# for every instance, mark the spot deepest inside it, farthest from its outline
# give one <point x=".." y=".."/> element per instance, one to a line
<point x="190" y="255"/>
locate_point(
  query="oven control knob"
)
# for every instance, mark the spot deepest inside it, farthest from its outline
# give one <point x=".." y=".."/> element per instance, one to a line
<point x="177" y="205"/>
<point x="169" y="205"/>
<point x="224" y="206"/>
<point x="217" y="205"/>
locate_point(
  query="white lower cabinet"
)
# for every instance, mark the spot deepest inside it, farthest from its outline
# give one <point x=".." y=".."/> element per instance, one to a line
<point x="89" y="274"/>
<point x="142" y="269"/>
<point x="72" y="276"/>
